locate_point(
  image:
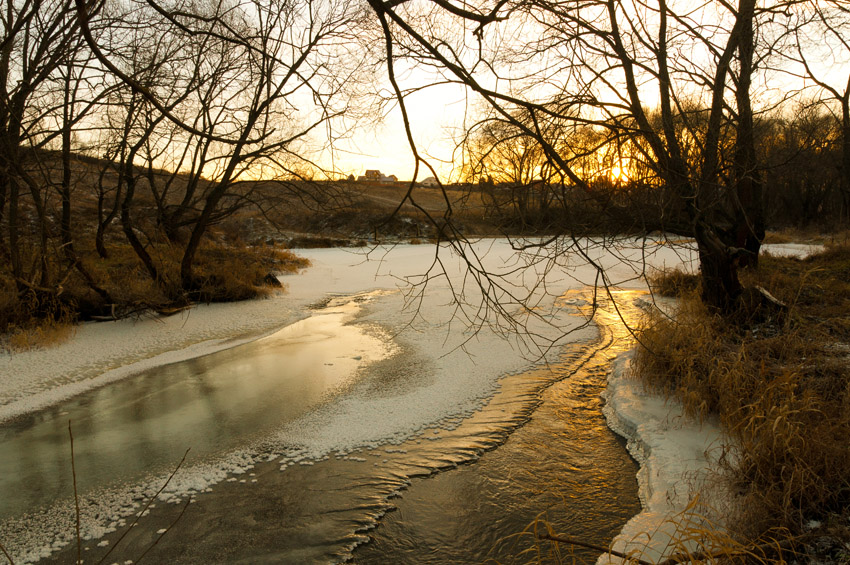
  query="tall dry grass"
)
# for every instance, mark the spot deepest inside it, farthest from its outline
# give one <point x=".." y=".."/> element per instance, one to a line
<point x="778" y="384"/>
<point x="223" y="272"/>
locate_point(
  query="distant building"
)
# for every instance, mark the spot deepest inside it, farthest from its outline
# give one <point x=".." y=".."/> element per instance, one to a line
<point x="374" y="175"/>
<point x="430" y="181"/>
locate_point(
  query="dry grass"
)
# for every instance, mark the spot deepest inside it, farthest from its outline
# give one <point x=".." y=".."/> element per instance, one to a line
<point x="811" y="235"/>
<point x="32" y="319"/>
<point x="226" y="274"/>
<point x="223" y="273"/>
<point x="780" y="389"/>
<point x="38" y="334"/>
<point x="690" y="538"/>
<point x="674" y="283"/>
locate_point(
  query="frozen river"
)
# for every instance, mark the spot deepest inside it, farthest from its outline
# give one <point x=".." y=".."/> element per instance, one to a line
<point x="308" y="413"/>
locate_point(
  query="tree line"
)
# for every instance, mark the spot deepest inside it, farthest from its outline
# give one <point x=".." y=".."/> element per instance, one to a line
<point x="800" y="155"/>
<point x="708" y="120"/>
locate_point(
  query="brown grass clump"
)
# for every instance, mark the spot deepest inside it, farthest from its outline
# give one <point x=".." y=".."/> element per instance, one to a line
<point x="223" y="273"/>
<point x="32" y="319"/>
<point x="674" y="283"/>
<point x="797" y="235"/>
<point x="226" y="276"/>
<point x="780" y="389"/>
<point x="53" y="326"/>
<point x="44" y="334"/>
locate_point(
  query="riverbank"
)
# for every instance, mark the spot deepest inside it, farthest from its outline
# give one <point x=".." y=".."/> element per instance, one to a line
<point x="680" y="486"/>
<point x="751" y="424"/>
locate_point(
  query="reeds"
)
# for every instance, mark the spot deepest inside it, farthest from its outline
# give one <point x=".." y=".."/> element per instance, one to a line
<point x="779" y="387"/>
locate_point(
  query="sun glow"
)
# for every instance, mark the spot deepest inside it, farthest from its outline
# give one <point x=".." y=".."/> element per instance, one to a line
<point x="618" y="173"/>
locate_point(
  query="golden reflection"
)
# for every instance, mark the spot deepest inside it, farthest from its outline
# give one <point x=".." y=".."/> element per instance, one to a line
<point x="616" y="311"/>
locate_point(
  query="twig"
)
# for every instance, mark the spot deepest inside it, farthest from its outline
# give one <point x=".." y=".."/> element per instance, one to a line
<point x="76" y="497"/>
<point x="6" y="553"/>
<point x="572" y="541"/>
<point x="168" y="529"/>
<point x="681" y="557"/>
<point x="140" y="514"/>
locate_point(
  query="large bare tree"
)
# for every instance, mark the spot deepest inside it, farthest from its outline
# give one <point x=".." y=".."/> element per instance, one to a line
<point x="668" y="84"/>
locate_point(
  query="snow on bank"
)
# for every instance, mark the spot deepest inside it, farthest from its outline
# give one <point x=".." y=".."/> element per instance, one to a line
<point x="677" y="458"/>
<point x="101" y="353"/>
<point x="800" y="250"/>
<point x="678" y="480"/>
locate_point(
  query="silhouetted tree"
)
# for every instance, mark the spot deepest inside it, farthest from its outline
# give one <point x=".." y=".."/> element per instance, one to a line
<point x="631" y="71"/>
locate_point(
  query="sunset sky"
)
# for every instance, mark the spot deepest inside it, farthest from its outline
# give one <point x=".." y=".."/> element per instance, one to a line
<point x="436" y="114"/>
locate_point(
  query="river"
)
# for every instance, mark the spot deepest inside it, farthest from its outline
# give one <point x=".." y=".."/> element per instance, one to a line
<point x="366" y="430"/>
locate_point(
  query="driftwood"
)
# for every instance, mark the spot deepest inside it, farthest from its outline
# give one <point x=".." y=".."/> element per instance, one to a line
<point x="110" y="318"/>
<point x="171" y="310"/>
<point x="120" y="312"/>
<point x="756" y="304"/>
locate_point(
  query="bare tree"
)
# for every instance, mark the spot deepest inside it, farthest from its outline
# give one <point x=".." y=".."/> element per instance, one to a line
<point x="37" y="37"/>
<point x="160" y="115"/>
<point x="512" y="168"/>
<point x="633" y="72"/>
<point x="823" y="50"/>
<point x="247" y="85"/>
<point x="800" y="150"/>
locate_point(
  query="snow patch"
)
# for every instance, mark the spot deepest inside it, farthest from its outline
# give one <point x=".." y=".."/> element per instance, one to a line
<point x="677" y="458"/>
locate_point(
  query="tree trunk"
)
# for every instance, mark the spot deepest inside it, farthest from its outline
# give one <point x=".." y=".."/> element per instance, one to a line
<point x="127" y="225"/>
<point x="750" y="228"/>
<point x="104" y="220"/>
<point x="4" y="192"/>
<point x="719" y="272"/>
<point x="845" y="155"/>
<point x="65" y="220"/>
<point x="187" y="276"/>
<point x="12" y="217"/>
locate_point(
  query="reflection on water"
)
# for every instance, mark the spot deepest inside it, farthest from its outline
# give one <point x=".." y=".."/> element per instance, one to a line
<point x="563" y="469"/>
<point x="457" y="494"/>
<point x="212" y="404"/>
<point x="465" y="492"/>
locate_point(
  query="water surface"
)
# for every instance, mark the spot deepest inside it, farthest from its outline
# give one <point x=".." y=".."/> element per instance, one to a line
<point x="539" y="451"/>
<point x="212" y="404"/>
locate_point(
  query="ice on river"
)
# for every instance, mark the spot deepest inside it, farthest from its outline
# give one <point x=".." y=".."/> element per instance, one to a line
<point x="100" y="353"/>
<point x="425" y="297"/>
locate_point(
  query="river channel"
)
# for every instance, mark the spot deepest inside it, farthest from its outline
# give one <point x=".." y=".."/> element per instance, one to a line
<point x="290" y="461"/>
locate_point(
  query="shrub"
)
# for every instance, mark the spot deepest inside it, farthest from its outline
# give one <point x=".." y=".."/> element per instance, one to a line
<point x="223" y="272"/>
